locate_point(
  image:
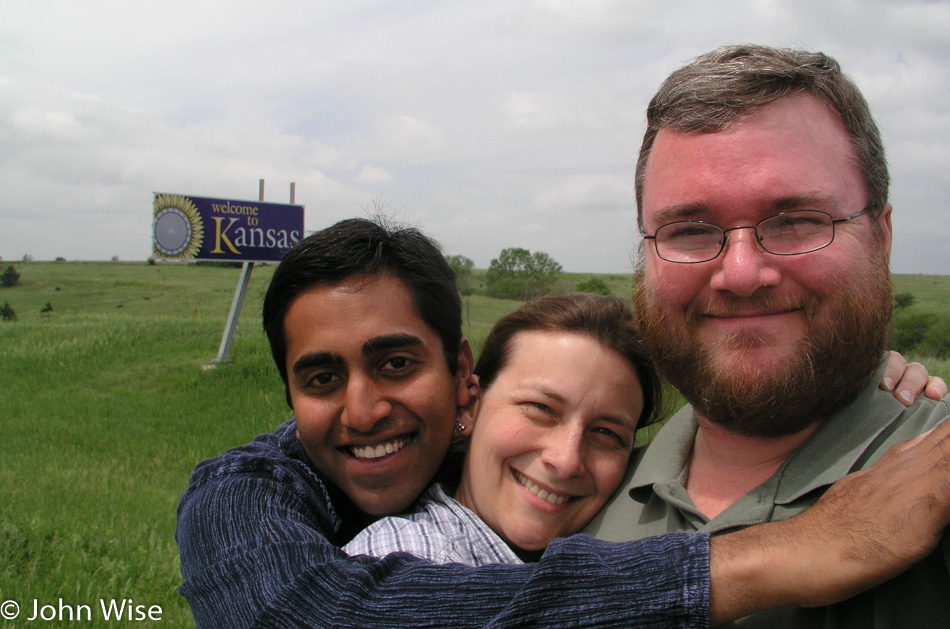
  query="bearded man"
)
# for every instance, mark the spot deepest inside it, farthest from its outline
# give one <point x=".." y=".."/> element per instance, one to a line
<point x="764" y="296"/>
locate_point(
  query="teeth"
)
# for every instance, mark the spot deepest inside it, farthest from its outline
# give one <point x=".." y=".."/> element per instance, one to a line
<point x="374" y="452"/>
<point x="543" y="494"/>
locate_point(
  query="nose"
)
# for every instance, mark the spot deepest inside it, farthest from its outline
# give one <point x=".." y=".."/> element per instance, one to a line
<point x="564" y="452"/>
<point x="365" y="404"/>
<point x="744" y="267"/>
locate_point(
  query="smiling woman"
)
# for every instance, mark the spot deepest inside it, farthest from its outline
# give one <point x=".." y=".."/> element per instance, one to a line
<point x="564" y="385"/>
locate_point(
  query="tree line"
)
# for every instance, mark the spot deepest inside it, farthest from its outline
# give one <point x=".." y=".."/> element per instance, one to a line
<point x="516" y="273"/>
<point x="520" y="274"/>
<point x="919" y="333"/>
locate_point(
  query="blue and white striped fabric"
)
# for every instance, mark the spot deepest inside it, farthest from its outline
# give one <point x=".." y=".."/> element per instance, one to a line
<point x="440" y="530"/>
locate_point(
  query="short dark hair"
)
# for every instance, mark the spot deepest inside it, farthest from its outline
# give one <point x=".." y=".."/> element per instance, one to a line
<point x="606" y="319"/>
<point x="360" y="246"/>
<point x="731" y="82"/>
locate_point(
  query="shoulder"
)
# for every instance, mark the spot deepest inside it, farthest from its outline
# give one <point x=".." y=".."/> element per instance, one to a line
<point x="268" y="478"/>
<point x="277" y="455"/>
<point x="885" y="421"/>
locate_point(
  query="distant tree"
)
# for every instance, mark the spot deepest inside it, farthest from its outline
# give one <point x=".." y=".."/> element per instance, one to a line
<point x="594" y="285"/>
<point x="27" y="257"/>
<point x="462" y="267"/>
<point x="7" y="312"/>
<point x="224" y="264"/>
<point x="910" y="330"/>
<point x="10" y="277"/>
<point x="936" y="341"/>
<point x="519" y="274"/>
<point x="59" y="259"/>
<point x="904" y="300"/>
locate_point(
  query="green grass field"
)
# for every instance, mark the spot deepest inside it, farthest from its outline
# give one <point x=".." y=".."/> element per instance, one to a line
<point x="107" y="404"/>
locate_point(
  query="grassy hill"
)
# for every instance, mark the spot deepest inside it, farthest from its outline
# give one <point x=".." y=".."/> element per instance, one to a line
<point x="108" y="403"/>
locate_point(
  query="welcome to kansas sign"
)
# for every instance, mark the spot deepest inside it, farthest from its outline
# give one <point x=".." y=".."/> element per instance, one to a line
<point x="198" y="228"/>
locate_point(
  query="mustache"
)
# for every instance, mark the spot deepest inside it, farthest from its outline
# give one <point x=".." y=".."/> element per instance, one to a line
<point x="731" y="305"/>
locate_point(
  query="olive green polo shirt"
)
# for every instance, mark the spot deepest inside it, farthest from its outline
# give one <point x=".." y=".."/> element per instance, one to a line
<point x="653" y="501"/>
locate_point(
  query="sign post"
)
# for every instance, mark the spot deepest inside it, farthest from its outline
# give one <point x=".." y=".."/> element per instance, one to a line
<point x="224" y="350"/>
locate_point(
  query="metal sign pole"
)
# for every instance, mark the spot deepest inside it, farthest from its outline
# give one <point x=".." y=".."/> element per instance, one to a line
<point x="236" y="304"/>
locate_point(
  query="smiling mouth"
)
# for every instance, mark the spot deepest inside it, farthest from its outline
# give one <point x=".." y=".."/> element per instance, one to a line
<point x="543" y="494"/>
<point x="379" y="450"/>
<point x="734" y="308"/>
<point x="749" y="314"/>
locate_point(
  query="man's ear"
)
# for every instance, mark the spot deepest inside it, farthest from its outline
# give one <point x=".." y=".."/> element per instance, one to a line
<point x="884" y="220"/>
<point x="463" y="374"/>
<point x="468" y="412"/>
<point x="467" y="388"/>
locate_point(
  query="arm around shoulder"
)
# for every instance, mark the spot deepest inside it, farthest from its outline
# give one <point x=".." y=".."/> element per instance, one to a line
<point x="868" y="527"/>
<point x="253" y="554"/>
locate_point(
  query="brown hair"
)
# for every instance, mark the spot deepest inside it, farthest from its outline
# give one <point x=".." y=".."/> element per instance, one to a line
<point x="729" y="83"/>
<point x="606" y="319"/>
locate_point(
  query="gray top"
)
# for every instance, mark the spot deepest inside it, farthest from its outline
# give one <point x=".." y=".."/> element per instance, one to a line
<point x="652" y="500"/>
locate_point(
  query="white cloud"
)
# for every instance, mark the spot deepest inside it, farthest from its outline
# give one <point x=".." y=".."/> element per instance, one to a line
<point x="373" y="175"/>
<point x="491" y="124"/>
<point x="401" y="136"/>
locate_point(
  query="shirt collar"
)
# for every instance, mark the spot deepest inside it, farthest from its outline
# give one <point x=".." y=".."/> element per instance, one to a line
<point x="836" y="448"/>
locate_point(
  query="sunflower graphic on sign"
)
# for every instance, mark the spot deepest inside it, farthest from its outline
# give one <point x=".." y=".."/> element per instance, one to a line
<point x="177" y="231"/>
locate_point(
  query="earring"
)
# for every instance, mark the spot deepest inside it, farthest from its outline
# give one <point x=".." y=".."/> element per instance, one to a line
<point x="459" y="426"/>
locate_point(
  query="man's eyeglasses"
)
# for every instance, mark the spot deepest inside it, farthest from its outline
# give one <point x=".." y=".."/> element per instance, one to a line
<point x="785" y="234"/>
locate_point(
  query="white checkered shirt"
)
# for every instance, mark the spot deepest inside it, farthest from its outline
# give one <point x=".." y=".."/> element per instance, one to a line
<point x="440" y="530"/>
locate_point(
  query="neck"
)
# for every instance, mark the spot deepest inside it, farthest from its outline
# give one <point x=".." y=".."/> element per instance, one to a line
<point x="724" y="466"/>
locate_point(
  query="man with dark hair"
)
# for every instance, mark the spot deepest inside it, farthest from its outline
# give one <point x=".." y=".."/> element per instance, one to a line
<point x="375" y="374"/>
<point x="764" y="295"/>
<point x="361" y="247"/>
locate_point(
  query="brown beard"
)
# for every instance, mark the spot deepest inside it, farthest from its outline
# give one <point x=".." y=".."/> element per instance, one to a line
<point x="847" y="333"/>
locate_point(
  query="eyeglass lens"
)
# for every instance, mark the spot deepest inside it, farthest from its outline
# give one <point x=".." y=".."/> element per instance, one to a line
<point x="785" y="234"/>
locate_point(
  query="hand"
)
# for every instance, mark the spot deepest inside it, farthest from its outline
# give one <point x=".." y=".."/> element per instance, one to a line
<point x="867" y="528"/>
<point x="912" y="379"/>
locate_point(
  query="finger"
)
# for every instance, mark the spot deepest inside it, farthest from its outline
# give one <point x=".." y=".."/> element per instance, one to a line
<point x="930" y="443"/>
<point x="893" y="370"/>
<point x="912" y="383"/>
<point x="936" y="388"/>
<point x="906" y="445"/>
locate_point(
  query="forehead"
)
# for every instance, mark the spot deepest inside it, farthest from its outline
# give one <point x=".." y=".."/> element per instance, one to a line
<point x="794" y="148"/>
<point x="340" y="318"/>
<point x="576" y="370"/>
<point x="562" y="355"/>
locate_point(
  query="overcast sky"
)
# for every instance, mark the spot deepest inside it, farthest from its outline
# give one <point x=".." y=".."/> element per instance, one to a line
<point x="488" y="123"/>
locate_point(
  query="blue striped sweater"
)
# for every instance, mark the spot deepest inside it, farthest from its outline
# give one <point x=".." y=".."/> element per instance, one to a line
<point x="259" y="532"/>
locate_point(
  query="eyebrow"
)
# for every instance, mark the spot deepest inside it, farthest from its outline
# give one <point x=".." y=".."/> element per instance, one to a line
<point x="803" y="201"/>
<point x="317" y="359"/>
<point x="370" y="347"/>
<point x="690" y="211"/>
<point x="543" y="390"/>
<point x="538" y="388"/>
<point x="680" y="212"/>
<point x="392" y="341"/>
